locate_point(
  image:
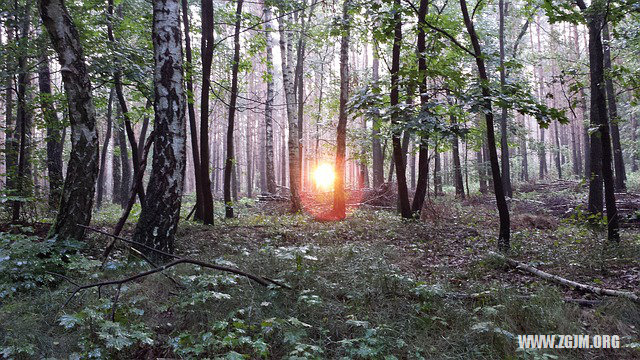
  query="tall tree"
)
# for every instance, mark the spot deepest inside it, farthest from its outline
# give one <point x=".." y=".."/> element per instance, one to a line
<point x="601" y="158"/>
<point x="504" y="141"/>
<point x="423" y="157"/>
<point x="398" y="154"/>
<point x="618" y="160"/>
<point x="24" y="115"/>
<point x="54" y="131"/>
<point x="82" y="170"/>
<point x="11" y="145"/>
<point x="503" y="210"/>
<point x="339" y="199"/>
<point x="376" y="146"/>
<point x="161" y="209"/>
<point x="128" y="127"/>
<point x="103" y="156"/>
<point x="125" y="165"/>
<point x="230" y="160"/>
<point x="206" y="49"/>
<point x="286" y="51"/>
<point x="193" y="130"/>
<point x="268" y="106"/>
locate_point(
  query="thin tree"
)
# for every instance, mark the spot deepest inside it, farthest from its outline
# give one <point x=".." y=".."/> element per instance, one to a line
<point x="193" y="130"/>
<point x="158" y="221"/>
<point x="105" y="147"/>
<point x="618" y="160"/>
<point x="268" y="106"/>
<point x="54" y="132"/>
<point x="23" y="117"/>
<point x="398" y="154"/>
<point x="11" y="145"/>
<point x="130" y="135"/>
<point x="230" y="160"/>
<point x="339" y="198"/>
<point x="206" y="49"/>
<point x="423" y="157"/>
<point x="82" y="169"/>
<point x="601" y="158"/>
<point x="503" y="210"/>
<point x="125" y="164"/>
<point x="286" y="51"/>
<point x="504" y="142"/>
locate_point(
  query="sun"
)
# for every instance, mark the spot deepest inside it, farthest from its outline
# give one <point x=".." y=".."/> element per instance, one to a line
<point x="324" y="176"/>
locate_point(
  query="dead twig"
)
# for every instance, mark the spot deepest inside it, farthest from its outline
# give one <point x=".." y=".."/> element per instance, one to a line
<point x="566" y="282"/>
<point x="258" y="279"/>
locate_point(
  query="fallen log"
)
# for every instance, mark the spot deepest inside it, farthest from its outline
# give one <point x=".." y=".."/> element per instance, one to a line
<point x="566" y="282"/>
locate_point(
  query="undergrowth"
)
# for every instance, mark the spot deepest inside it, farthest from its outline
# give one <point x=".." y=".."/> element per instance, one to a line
<point x="353" y="296"/>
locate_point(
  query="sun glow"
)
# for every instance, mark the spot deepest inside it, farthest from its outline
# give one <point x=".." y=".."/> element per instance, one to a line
<point x="324" y="176"/>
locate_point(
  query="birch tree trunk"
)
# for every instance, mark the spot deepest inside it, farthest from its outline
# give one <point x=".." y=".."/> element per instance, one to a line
<point x="268" y="107"/>
<point x="161" y="210"/>
<point x="292" y="114"/>
<point x="82" y="170"/>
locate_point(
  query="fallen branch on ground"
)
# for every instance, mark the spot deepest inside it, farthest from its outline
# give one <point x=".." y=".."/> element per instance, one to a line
<point x="482" y="295"/>
<point x="566" y="282"/>
<point x="179" y="260"/>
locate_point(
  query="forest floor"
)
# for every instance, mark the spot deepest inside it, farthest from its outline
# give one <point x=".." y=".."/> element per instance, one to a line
<point x="372" y="286"/>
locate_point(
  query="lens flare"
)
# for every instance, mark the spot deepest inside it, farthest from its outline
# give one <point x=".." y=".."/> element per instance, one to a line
<point x="324" y="176"/>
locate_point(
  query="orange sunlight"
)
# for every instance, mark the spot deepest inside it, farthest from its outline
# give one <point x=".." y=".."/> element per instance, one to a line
<point x="324" y="176"/>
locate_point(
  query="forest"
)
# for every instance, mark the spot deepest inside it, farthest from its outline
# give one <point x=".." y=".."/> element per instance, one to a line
<point x="319" y="179"/>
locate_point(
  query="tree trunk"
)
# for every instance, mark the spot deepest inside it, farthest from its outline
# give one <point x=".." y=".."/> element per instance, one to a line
<point x="82" y="170"/>
<point x="206" y="49"/>
<point x="23" y="118"/>
<point x="504" y="143"/>
<point x="11" y="144"/>
<point x="398" y="155"/>
<point x="229" y="162"/>
<point x="376" y="146"/>
<point x="574" y="148"/>
<point x="268" y="107"/>
<point x="542" y="155"/>
<point x="503" y="210"/>
<point x="249" y="153"/>
<point x="558" y="160"/>
<point x="286" y="50"/>
<point x="437" y="172"/>
<point x="103" y="155"/>
<point x="339" y="199"/>
<point x="299" y="87"/>
<point x="634" y="139"/>
<point x="161" y="210"/>
<point x="457" y="170"/>
<point x="193" y="130"/>
<point x="586" y="139"/>
<point x="482" y="179"/>
<point x="601" y="169"/>
<point x="117" y="82"/>
<point x="54" y="131"/>
<point x="525" y="155"/>
<point x="143" y="133"/>
<point x="125" y="183"/>
<point x="618" y="160"/>
<point x="116" y="196"/>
